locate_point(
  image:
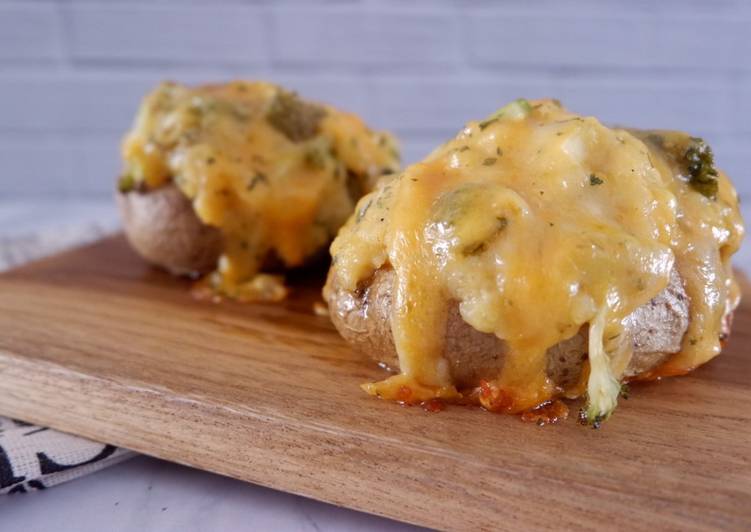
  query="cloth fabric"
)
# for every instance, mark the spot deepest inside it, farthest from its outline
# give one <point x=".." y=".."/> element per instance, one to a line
<point x="36" y="458"/>
<point x="32" y="457"/>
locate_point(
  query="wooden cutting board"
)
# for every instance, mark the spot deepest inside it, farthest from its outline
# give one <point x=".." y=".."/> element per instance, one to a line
<point x="96" y="343"/>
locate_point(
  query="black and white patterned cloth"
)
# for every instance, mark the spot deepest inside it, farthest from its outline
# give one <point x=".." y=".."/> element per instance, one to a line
<point x="35" y="458"/>
<point x="32" y="457"/>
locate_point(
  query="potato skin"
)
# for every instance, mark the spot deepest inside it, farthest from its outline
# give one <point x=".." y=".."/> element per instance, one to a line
<point x="362" y="317"/>
<point x="163" y="228"/>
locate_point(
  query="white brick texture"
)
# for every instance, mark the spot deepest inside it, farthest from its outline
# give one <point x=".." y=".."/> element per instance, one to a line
<point x="176" y="33"/>
<point x="73" y="71"/>
<point x="363" y="37"/>
<point x="30" y="32"/>
<point x="576" y="39"/>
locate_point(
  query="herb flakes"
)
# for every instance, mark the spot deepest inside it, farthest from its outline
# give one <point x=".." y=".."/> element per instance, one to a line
<point x="485" y="123"/>
<point x="256" y="180"/>
<point x="315" y="159"/>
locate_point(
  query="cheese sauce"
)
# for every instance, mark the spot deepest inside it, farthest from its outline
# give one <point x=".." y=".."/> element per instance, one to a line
<point x="537" y="222"/>
<point x="277" y="175"/>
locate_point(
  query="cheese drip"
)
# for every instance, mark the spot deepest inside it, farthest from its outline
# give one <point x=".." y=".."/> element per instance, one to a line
<point x="277" y="175"/>
<point x="537" y="222"/>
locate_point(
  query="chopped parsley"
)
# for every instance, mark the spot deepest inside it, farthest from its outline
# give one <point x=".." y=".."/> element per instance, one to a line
<point x="256" y="180"/>
<point x="485" y="123"/>
<point x="594" y="180"/>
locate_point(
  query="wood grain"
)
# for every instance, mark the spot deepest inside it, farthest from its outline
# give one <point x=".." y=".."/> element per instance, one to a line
<point x="95" y="343"/>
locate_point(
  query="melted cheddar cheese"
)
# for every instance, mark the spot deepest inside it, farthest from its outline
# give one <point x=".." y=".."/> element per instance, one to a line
<point x="277" y="175"/>
<point x="537" y="222"/>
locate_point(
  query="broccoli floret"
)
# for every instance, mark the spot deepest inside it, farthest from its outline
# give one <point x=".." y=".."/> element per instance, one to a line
<point x="691" y="155"/>
<point x="126" y="183"/>
<point x="702" y="174"/>
<point x="295" y="119"/>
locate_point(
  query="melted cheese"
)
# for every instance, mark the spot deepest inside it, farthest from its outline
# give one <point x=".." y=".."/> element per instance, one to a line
<point x="278" y="176"/>
<point x="538" y="222"/>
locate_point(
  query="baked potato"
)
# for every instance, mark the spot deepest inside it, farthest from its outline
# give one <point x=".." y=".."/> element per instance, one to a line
<point x="163" y="228"/>
<point x="540" y="255"/>
<point x="363" y="319"/>
<point x="234" y="180"/>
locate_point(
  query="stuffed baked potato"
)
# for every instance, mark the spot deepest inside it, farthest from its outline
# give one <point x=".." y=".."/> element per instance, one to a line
<point x="540" y="255"/>
<point x="240" y="179"/>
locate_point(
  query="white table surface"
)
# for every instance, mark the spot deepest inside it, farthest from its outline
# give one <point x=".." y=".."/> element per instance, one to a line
<point x="145" y="494"/>
<point x="148" y="495"/>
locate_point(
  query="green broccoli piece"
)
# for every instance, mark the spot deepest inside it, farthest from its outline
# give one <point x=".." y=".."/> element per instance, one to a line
<point x="294" y="118"/>
<point x="691" y="155"/>
<point x="702" y="174"/>
<point x="517" y="109"/>
<point x="126" y="183"/>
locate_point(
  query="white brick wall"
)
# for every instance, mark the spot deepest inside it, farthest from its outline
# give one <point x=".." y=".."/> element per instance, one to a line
<point x="361" y="37"/>
<point x="30" y="32"/>
<point x="72" y="72"/>
<point x="605" y="39"/>
<point x="136" y="34"/>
